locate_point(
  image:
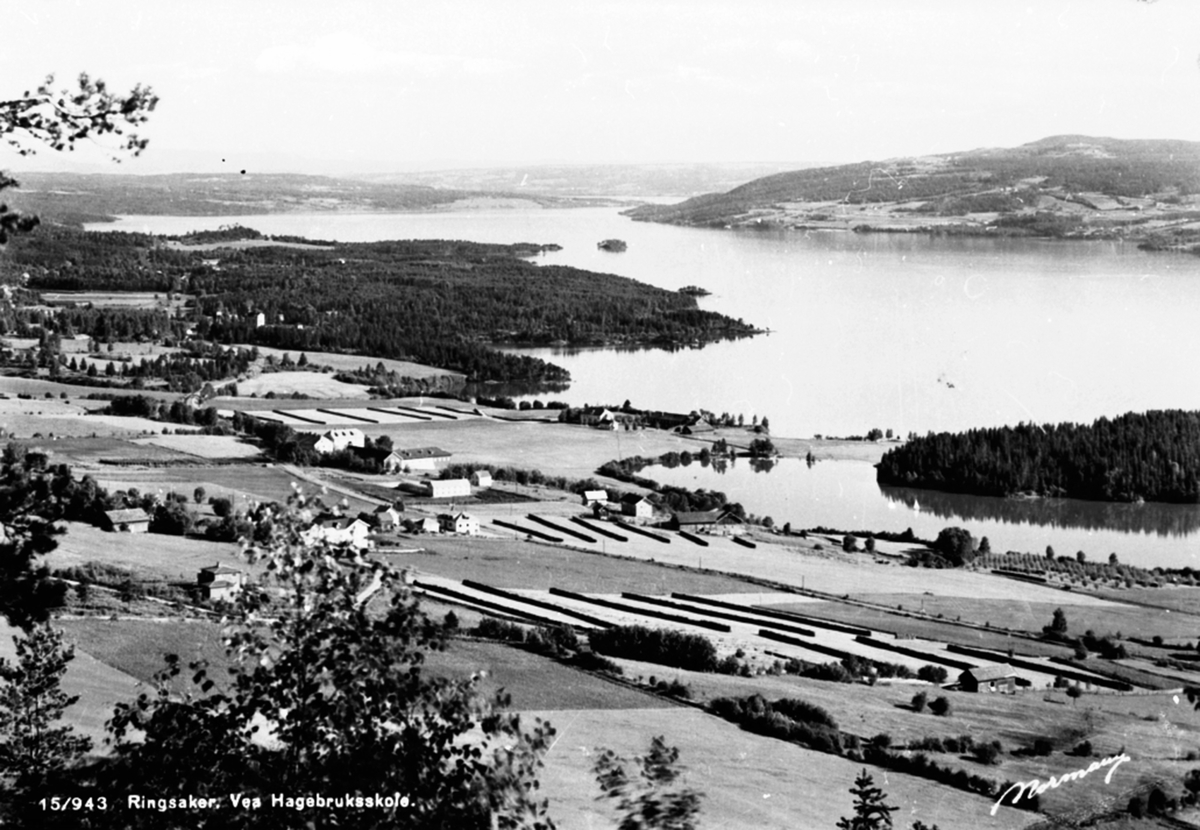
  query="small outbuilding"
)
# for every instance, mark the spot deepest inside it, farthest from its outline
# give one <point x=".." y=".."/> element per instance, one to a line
<point x="129" y="519"/>
<point x="993" y="678"/>
<point x="591" y="497"/>
<point x="220" y="582"/>
<point x="481" y="478"/>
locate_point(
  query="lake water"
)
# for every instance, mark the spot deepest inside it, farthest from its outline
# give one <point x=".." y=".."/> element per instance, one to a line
<point x="902" y="332"/>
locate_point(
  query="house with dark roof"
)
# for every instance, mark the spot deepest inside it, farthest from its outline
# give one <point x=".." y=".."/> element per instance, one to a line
<point x="129" y="520"/>
<point x="637" y="506"/>
<point x="388" y="461"/>
<point x="992" y="678"/>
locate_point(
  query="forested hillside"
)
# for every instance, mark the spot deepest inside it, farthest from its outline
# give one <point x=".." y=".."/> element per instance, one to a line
<point x="441" y="303"/>
<point x="1152" y="456"/>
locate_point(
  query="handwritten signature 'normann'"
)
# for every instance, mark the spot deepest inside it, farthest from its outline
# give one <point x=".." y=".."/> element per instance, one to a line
<point x="1028" y="789"/>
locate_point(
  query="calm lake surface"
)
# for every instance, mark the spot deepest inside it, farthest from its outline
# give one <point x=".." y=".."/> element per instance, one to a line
<point x="902" y="332"/>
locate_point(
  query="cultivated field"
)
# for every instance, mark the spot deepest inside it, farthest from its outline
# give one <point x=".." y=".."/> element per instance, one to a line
<point x="203" y="446"/>
<point x="310" y="384"/>
<point x="1038" y="611"/>
<point x="517" y="565"/>
<point x="749" y="782"/>
<point x="45" y="417"/>
<point x="152" y="556"/>
<point x="350" y="362"/>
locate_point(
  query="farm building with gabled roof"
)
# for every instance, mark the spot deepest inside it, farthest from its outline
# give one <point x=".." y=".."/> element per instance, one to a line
<point x="991" y="678"/>
<point x="129" y="519"/>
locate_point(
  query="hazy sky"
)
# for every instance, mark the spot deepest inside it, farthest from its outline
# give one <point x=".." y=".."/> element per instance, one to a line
<point x="341" y="86"/>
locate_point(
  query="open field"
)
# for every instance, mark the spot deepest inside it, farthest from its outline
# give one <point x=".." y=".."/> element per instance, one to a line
<point x="54" y="416"/>
<point x="99" y="687"/>
<point x="137" y="647"/>
<point x="749" y="782"/>
<point x="518" y="565"/>
<point x="1035" y="613"/>
<point x="242" y="244"/>
<point x="33" y="386"/>
<point x="1171" y="597"/>
<point x="1156" y="730"/>
<point x="310" y="384"/>
<point x="350" y="362"/>
<point x="90" y="452"/>
<point x="536" y="682"/>
<point x="116" y="299"/>
<point x="240" y="483"/>
<point x="203" y="446"/>
<point x="150" y="555"/>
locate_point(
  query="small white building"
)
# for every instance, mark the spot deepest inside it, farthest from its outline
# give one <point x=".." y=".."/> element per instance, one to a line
<point x="335" y="440"/>
<point x="591" y="497"/>
<point x="448" y="488"/>
<point x="481" y="478"/>
<point x="338" y="530"/>
<point x="461" y="523"/>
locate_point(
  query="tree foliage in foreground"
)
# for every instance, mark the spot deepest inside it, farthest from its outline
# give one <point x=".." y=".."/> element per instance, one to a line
<point x="60" y="119"/>
<point x="327" y="697"/>
<point x="655" y="798"/>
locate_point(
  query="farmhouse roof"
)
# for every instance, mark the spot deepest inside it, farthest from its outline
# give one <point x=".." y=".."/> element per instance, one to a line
<point x="422" y="452"/>
<point x="375" y="453"/>
<point x="993" y="672"/>
<point x="220" y="569"/>
<point x="633" y="498"/>
<point x="701" y="517"/>
<point x="340" y="522"/>
<point x="127" y="515"/>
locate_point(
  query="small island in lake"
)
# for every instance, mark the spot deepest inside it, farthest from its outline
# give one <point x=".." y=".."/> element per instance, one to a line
<point x="614" y="245"/>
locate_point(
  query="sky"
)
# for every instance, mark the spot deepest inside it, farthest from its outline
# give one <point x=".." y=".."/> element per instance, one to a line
<point x="341" y="87"/>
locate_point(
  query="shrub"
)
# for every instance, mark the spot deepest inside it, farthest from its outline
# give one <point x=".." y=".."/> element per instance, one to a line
<point x="940" y="707"/>
<point x="590" y="661"/>
<point x="1083" y="749"/>
<point x="918" y="701"/>
<point x="986" y="753"/>
<point x="492" y="629"/>
<point x="932" y="674"/>
<point x="693" y="652"/>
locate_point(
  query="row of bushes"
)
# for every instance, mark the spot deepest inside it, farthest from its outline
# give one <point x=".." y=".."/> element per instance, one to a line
<point x="693" y="652"/>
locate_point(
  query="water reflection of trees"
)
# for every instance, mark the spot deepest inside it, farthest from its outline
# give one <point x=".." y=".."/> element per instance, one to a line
<point x="1150" y="518"/>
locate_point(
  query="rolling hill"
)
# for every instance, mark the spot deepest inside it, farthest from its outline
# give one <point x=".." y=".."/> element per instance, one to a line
<point x="1063" y="186"/>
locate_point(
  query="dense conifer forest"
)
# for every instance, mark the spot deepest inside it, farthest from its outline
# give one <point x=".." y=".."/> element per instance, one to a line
<point x="441" y="303"/>
<point x="1152" y="456"/>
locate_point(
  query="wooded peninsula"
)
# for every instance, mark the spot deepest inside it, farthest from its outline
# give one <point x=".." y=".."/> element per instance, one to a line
<point x="442" y="303"/>
<point x="1151" y="456"/>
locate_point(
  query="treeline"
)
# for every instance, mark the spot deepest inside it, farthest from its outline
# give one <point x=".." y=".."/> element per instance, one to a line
<point x="1152" y="456"/>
